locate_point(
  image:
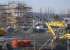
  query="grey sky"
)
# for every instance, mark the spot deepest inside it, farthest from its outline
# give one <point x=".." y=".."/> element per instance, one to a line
<point x="56" y="5"/>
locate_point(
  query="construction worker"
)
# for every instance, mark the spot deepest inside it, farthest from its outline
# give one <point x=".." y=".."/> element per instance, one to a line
<point x="14" y="44"/>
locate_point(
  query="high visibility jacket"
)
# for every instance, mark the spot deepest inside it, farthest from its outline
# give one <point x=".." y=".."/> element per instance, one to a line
<point x="14" y="43"/>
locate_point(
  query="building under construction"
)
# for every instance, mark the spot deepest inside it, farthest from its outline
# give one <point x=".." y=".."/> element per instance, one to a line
<point x="15" y="15"/>
<point x="18" y="16"/>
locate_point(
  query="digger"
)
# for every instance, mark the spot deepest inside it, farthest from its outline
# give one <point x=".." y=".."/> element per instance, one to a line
<point x="56" y="39"/>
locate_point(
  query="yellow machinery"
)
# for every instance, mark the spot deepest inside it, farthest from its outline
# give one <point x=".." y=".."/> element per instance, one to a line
<point x="51" y="31"/>
<point x="57" y="24"/>
<point x="2" y="31"/>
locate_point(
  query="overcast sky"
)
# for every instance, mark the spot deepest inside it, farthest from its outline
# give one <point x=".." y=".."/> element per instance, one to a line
<point x="56" y="5"/>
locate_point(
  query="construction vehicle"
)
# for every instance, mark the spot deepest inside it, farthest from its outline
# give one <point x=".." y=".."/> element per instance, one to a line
<point x="10" y="29"/>
<point x="39" y="28"/>
<point x="61" y="25"/>
<point x="2" y="31"/>
<point x="55" y="38"/>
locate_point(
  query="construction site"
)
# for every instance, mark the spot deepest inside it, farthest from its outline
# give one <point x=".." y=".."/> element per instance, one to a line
<point x="21" y="30"/>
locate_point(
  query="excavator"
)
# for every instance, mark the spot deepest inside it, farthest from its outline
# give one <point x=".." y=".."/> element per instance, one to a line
<point x="54" y="34"/>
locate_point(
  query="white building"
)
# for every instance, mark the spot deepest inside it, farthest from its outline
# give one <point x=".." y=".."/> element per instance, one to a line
<point x="15" y="15"/>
